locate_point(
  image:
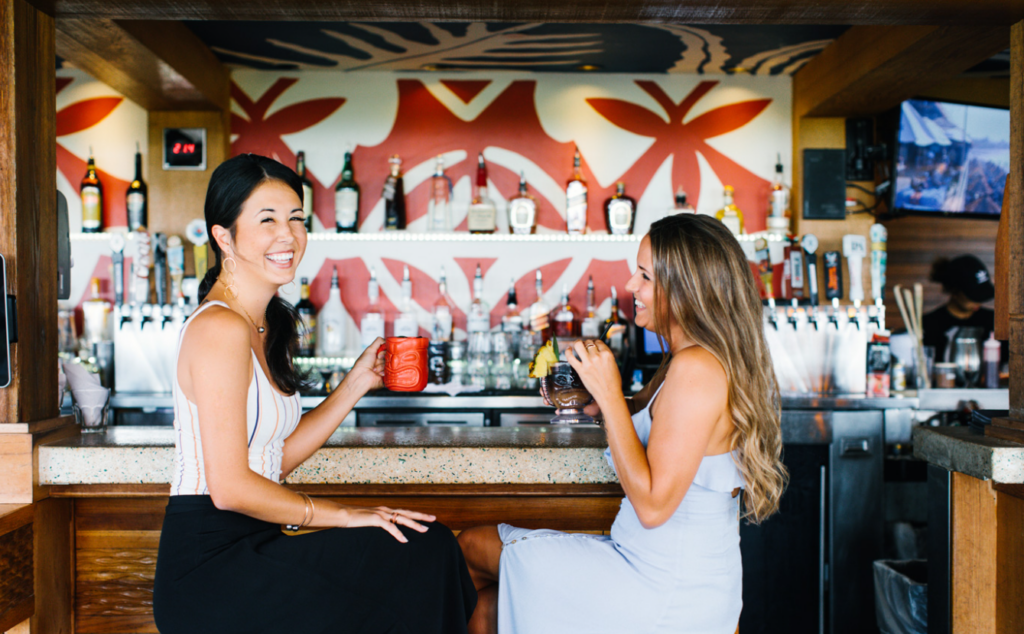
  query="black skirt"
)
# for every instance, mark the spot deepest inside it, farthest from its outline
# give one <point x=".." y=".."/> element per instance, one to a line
<point x="223" y="572"/>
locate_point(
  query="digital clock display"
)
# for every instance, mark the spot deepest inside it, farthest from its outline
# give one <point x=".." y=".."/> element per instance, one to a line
<point x="184" y="148"/>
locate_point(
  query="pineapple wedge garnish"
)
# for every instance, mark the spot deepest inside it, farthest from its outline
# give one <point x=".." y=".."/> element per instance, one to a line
<point x="546" y="355"/>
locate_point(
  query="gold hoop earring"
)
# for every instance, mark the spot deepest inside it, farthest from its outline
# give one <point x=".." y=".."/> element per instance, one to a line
<point x="229" y="285"/>
<point x="288" y="288"/>
<point x="234" y="264"/>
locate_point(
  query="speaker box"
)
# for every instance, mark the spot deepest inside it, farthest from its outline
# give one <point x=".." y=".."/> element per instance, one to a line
<point x="63" y="249"/>
<point x="824" y="185"/>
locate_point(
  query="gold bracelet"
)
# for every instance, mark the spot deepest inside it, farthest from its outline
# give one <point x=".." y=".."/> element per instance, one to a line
<point x="305" y="515"/>
<point x="312" y="509"/>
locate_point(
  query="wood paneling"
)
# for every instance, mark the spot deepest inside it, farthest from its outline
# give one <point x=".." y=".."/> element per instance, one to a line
<point x="14" y="516"/>
<point x="160" y="66"/>
<point x="178" y="197"/>
<point x="54" y="546"/>
<point x="16" y="580"/>
<point x="695" y="12"/>
<point x="28" y="199"/>
<point x="1015" y="222"/>
<point x="984" y="91"/>
<point x="870" y="69"/>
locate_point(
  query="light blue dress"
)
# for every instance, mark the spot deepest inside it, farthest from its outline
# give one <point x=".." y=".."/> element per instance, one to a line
<point x="683" y="576"/>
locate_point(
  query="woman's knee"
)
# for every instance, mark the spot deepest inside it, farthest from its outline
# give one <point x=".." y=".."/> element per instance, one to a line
<point x="481" y="546"/>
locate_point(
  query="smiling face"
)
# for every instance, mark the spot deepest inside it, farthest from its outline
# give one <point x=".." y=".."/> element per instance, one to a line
<point x="269" y="237"/>
<point x="641" y="285"/>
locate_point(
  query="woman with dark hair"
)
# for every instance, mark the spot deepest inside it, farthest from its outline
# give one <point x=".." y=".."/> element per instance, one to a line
<point x="965" y="278"/>
<point x="224" y="565"/>
<point x="706" y="426"/>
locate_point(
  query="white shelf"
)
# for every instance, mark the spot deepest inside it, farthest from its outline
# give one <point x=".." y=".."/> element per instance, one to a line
<point x="407" y="236"/>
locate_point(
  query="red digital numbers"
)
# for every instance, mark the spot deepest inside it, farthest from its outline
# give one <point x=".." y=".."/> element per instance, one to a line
<point x="183" y="148"/>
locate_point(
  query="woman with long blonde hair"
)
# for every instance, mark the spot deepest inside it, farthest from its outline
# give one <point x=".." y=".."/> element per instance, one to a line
<point x="705" y="427"/>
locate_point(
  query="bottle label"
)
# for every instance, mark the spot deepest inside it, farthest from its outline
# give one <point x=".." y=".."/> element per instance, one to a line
<point x="332" y="336"/>
<point x="406" y="325"/>
<point x="576" y="207"/>
<point x="307" y="201"/>
<point x="620" y="217"/>
<point x="589" y="329"/>
<point x="346" y="208"/>
<point x="92" y="209"/>
<point x="780" y="203"/>
<point x="389" y="189"/>
<point x="136" y="210"/>
<point x="371" y="327"/>
<point x="521" y="214"/>
<point x="478" y="323"/>
<point x="307" y="333"/>
<point x="732" y="223"/>
<point x="442" y="325"/>
<point x="481" y="217"/>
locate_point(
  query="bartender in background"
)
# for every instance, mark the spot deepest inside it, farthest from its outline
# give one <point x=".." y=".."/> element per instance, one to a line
<point x="968" y="284"/>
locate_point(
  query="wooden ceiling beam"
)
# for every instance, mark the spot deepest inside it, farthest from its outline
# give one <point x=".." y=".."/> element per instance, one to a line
<point x="159" y="65"/>
<point x="952" y="12"/>
<point x="869" y="69"/>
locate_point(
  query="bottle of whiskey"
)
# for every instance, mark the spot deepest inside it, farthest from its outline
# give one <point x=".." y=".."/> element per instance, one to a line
<point x="512" y="321"/>
<point x="482" y="216"/>
<point x="614" y="328"/>
<point x="307" y="191"/>
<point x="346" y="200"/>
<point x="479" y="318"/>
<point x="540" y="325"/>
<point x="522" y="210"/>
<point x="92" y="199"/>
<point x="372" y="324"/>
<point x="443" y="314"/>
<point x="394" y="197"/>
<point x="576" y="199"/>
<point x="137" y="197"/>
<point x="439" y="208"/>
<point x="730" y="214"/>
<point x="590" y="327"/>
<point x="682" y="206"/>
<point x="620" y="212"/>
<point x="564" y="317"/>
<point x="307" y="321"/>
<point x="330" y="323"/>
<point x="95" y="315"/>
<point x="778" y="201"/>
<point x="406" y="324"/>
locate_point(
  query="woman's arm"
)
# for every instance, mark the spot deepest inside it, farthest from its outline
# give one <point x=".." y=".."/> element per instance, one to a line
<point x="318" y="424"/>
<point x="219" y="367"/>
<point x="656" y="479"/>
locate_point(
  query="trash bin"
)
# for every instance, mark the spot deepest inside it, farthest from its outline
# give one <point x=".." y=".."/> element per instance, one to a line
<point x="901" y="596"/>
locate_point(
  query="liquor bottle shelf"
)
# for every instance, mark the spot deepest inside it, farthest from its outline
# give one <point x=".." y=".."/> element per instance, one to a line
<point x="408" y="236"/>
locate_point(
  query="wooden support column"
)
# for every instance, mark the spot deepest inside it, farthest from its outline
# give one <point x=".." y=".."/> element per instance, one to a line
<point x="1015" y="223"/>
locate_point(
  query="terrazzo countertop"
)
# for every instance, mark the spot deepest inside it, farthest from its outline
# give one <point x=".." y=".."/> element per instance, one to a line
<point x="414" y="455"/>
<point x="972" y="453"/>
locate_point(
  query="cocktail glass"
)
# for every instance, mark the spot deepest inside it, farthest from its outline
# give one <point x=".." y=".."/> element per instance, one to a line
<point x="563" y="389"/>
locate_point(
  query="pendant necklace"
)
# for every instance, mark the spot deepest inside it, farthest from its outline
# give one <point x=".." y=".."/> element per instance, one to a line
<point x="259" y="329"/>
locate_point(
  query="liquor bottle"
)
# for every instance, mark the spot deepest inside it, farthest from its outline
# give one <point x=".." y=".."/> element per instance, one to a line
<point x="730" y="214"/>
<point x="372" y="324"/>
<point x="512" y="321"/>
<point x="443" y="322"/>
<point x="576" y="199"/>
<point x="176" y="267"/>
<point x="614" y="329"/>
<point x="522" y="210"/>
<point x="406" y="324"/>
<point x="137" y="198"/>
<point x="479" y="318"/>
<point x="540" y="326"/>
<point x="482" y="216"/>
<point x="590" y="327"/>
<point x="95" y="315"/>
<point x="330" y="323"/>
<point x="564" y="317"/>
<point x="92" y="199"/>
<point x="346" y="200"/>
<point x="394" y="197"/>
<point x="778" y="201"/>
<point x="307" y="191"/>
<point x="307" y="321"/>
<point x="682" y="206"/>
<point x="160" y="267"/>
<point x="439" y="208"/>
<point x="620" y="212"/>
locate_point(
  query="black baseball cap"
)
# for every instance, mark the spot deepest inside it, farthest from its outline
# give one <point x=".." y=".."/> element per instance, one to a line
<point x="969" y="274"/>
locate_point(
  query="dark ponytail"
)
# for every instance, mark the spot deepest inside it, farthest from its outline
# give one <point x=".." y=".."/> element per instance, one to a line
<point x="230" y="186"/>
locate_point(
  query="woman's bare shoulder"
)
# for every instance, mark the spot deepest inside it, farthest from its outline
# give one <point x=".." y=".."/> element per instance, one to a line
<point x="217" y="328"/>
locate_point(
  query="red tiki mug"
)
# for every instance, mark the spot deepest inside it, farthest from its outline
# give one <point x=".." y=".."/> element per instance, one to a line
<point x="406" y="366"/>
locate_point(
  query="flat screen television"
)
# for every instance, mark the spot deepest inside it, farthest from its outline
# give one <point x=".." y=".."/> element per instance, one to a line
<point x="951" y="159"/>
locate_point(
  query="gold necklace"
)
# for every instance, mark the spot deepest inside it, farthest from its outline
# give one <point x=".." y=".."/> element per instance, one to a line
<point x="259" y="329"/>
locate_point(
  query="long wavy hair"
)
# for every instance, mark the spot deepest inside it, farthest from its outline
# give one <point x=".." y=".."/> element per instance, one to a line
<point x="703" y="282"/>
<point x="231" y="184"/>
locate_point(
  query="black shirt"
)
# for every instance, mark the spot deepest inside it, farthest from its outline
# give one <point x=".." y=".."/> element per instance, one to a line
<point x="940" y="324"/>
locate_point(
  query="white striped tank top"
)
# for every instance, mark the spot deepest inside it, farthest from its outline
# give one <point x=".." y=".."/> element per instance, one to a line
<point x="270" y="418"/>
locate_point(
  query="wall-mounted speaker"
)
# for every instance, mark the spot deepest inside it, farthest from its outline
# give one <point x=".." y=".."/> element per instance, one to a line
<point x="824" y="185"/>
